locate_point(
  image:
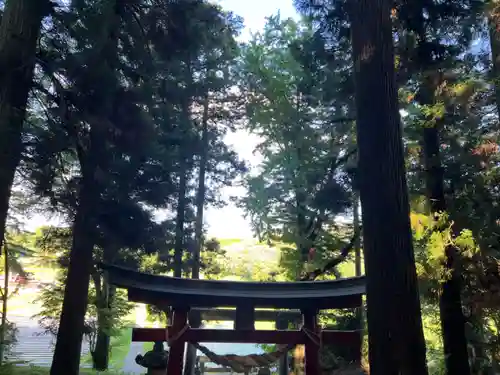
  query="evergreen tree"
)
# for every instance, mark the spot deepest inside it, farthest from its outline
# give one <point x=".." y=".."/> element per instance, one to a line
<point x="89" y="152"/>
<point x="295" y="106"/>
<point x="393" y="313"/>
<point x="19" y="32"/>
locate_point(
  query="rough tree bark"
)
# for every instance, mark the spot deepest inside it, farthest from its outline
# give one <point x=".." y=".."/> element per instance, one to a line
<point x="357" y="244"/>
<point x="183" y="169"/>
<point x="357" y="264"/>
<point x="67" y="352"/>
<point x="195" y="318"/>
<point x="450" y="299"/>
<point x="5" y="298"/>
<point x="99" y="354"/>
<point x="104" y="295"/>
<point x="494" y="26"/>
<point x="19" y="32"/>
<point x="450" y="302"/>
<point x="395" y="335"/>
<point x="66" y="360"/>
<point x="181" y="213"/>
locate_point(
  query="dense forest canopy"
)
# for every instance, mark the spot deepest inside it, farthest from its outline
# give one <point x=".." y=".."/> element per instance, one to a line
<point x="378" y="133"/>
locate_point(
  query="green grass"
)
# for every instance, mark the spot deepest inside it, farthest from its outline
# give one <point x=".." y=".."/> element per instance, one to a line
<point x="229" y="241"/>
<point x="146" y="347"/>
<point x="131" y="317"/>
<point x="120" y="345"/>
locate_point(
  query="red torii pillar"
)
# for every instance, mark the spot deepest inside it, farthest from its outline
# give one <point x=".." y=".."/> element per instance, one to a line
<point x="310" y="321"/>
<point x="179" y="321"/>
<point x="176" y="354"/>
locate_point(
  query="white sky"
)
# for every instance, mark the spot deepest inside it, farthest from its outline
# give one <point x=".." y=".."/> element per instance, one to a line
<point x="227" y="222"/>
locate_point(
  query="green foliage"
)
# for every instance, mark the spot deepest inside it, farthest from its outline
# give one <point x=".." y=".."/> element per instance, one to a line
<point x="294" y="107"/>
<point x="13" y="250"/>
<point x="130" y="105"/>
<point x="114" y="126"/>
<point x="101" y="316"/>
<point x="212" y="260"/>
<point x="444" y="85"/>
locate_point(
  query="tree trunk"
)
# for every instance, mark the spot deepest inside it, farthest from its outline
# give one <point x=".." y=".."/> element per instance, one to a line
<point x="301" y="230"/>
<point x="480" y="362"/>
<point x="181" y="213"/>
<point x="395" y="335"/>
<point x="357" y="264"/>
<point x="5" y="296"/>
<point x="183" y="173"/>
<point x="19" y="32"/>
<point x="195" y="318"/>
<point x="70" y="334"/>
<point x="450" y="299"/>
<point x="200" y="196"/>
<point x="494" y="26"/>
<point x="106" y="295"/>
<point x="357" y="244"/>
<point x="100" y="354"/>
<point x="67" y="352"/>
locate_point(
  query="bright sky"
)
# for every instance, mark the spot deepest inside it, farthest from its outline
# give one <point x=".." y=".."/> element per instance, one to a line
<point x="227" y="222"/>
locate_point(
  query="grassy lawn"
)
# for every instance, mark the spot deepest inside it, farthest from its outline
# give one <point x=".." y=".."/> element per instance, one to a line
<point x="120" y="346"/>
<point x="146" y="347"/>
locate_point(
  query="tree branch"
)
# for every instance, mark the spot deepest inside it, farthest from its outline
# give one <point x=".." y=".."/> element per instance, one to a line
<point x="311" y="276"/>
<point x="317" y="221"/>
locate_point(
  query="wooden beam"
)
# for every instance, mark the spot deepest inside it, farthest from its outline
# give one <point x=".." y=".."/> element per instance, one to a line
<point x="245" y="318"/>
<point x="219" y="370"/>
<point x="311" y="348"/>
<point x="283" y="367"/>
<point x="350" y="298"/>
<point x="176" y="354"/>
<point x="245" y="336"/>
<point x="148" y="288"/>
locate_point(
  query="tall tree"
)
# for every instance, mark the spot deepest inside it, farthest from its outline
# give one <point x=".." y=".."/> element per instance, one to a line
<point x="450" y="301"/>
<point x="394" y="317"/>
<point x="87" y="154"/>
<point x="429" y="59"/>
<point x="302" y="121"/>
<point x="68" y="345"/>
<point x="493" y="19"/>
<point x="19" y="33"/>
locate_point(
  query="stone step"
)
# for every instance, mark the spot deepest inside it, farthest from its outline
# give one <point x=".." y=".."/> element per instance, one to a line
<point x="35" y="347"/>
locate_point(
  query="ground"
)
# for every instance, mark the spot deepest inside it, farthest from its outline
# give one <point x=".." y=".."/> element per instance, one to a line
<point x="35" y="347"/>
<point x="33" y="344"/>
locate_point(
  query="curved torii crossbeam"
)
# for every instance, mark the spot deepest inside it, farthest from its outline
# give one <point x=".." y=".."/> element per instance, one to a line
<point x="152" y="289"/>
<point x="184" y="294"/>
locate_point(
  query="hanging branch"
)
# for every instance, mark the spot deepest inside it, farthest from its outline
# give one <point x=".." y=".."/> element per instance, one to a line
<point x="316" y="222"/>
<point x="311" y="276"/>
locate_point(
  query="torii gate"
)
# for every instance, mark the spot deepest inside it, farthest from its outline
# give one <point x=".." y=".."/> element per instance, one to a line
<point x="184" y="294"/>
